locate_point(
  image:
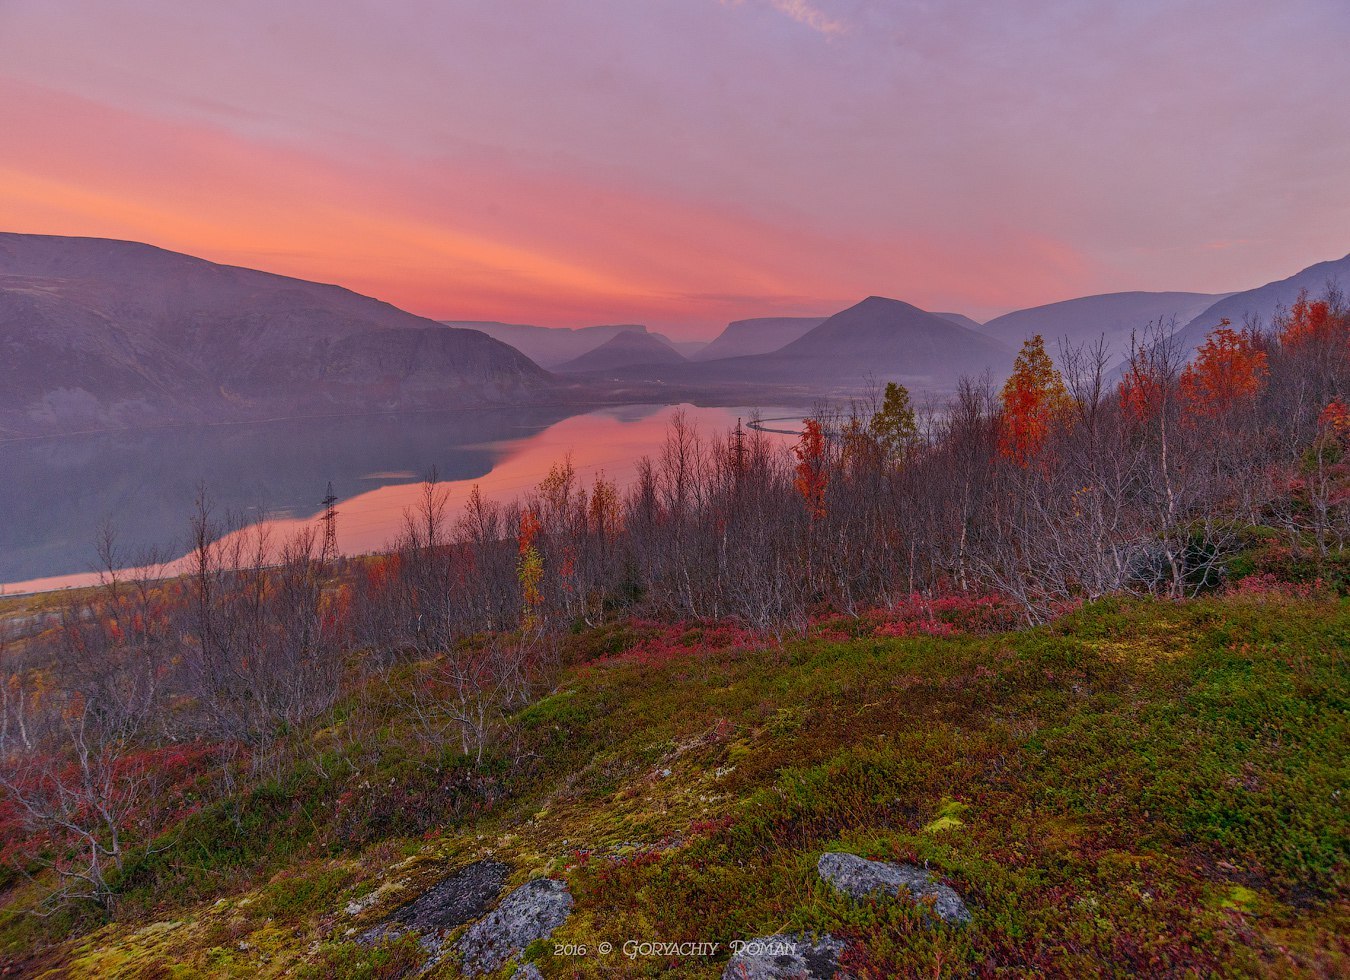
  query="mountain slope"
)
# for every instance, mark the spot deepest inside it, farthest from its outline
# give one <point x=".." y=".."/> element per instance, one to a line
<point x="98" y="333"/>
<point x="1261" y="304"/>
<point x="1113" y="316"/>
<point x="629" y="349"/>
<point x="961" y="320"/>
<point x="758" y="335"/>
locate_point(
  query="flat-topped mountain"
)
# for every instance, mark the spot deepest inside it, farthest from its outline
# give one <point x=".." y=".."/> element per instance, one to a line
<point x="1113" y="316"/>
<point x="1260" y="305"/>
<point x="757" y="335"/>
<point x="629" y="349"/>
<point x="97" y="333"/>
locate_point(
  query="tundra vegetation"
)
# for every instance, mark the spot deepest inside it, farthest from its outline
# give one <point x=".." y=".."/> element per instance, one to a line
<point x="1077" y="645"/>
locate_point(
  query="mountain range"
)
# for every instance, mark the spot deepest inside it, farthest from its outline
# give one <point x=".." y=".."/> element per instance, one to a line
<point x="551" y="346"/>
<point x="878" y="339"/>
<point x="99" y="334"/>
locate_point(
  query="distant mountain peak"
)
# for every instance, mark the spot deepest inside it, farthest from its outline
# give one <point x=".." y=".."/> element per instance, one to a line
<point x="628" y="348"/>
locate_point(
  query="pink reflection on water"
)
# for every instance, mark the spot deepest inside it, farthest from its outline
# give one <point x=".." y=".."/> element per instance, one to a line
<point x="609" y="441"/>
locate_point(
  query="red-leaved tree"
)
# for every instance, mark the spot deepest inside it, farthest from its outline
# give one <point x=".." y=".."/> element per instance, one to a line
<point x="1229" y="369"/>
<point x="812" y="478"/>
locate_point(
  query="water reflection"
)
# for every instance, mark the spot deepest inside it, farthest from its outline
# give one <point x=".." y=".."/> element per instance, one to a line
<point x="55" y="494"/>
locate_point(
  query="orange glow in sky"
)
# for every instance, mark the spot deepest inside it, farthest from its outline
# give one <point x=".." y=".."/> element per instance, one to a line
<point x="689" y="163"/>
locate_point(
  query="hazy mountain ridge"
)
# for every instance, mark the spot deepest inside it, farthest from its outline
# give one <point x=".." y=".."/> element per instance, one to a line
<point x="757" y="335"/>
<point x="99" y="333"/>
<point x="1112" y="317"/>
<point x="877" y="339"/>
<point x="1260" y="305"/>
<point x="547" y="346"/>
<point x="551" y="346"/>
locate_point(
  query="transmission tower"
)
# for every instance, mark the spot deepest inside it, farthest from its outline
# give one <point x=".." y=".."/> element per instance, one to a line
<point x="329" y="519"/>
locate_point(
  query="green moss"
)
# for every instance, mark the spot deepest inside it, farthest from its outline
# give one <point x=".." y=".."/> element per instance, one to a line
<point x="1240" y="898"/>
<point x="948" y="817"/>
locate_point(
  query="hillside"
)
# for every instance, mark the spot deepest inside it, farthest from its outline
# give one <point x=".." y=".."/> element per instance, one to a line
<point x="1261" y="304"/>
<point x="1112" y="316"/>
<point x="629" y="349"/>
<point x="99" y="333"/>
<point x="896" y="703"/>
<point x="1140" y="788"/>
<point x="758" y="335"/>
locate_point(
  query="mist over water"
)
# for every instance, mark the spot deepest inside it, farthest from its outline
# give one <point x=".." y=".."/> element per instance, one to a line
<point x="56" y="494"/>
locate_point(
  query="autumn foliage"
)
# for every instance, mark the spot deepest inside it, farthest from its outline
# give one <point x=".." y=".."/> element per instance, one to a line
<point x="811" y="475"/>
<point x="1141" y="394"/>
<point x="1334" y="421"/>
<point x="1309" y="322"/>
<point x="1034" y="402"/>
<point x="1230" y="368"/>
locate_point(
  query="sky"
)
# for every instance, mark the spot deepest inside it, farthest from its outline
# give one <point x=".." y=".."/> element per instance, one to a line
<point x="683" y="163"/>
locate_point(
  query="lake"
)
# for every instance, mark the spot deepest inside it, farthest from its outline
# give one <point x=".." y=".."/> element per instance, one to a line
<point x="57" y="493"/>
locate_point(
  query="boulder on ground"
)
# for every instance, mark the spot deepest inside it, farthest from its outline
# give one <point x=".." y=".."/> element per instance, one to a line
<point x="860" y="877"/>
<point x="454" y="900"/>
<point x="530" y="912"/>
<point x="784" y="957"/>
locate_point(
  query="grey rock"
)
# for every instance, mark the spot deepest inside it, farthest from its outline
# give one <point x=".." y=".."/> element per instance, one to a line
<point x="530" y="912"/>
<point x="457" y="899"/>
<point x="859" y="878"/>
<point x="527" y="972"/>
<point x="453" y="901"/>
<point x="784" y="957"/>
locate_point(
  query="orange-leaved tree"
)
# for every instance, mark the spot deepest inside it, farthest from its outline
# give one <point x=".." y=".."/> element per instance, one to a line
<point x="1229" y="368"/>
<point x="812" y="477"/>
<point x="1307" y="322"/>
<point x="1035" y="401"/>
<point x="1334" y="421"/>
